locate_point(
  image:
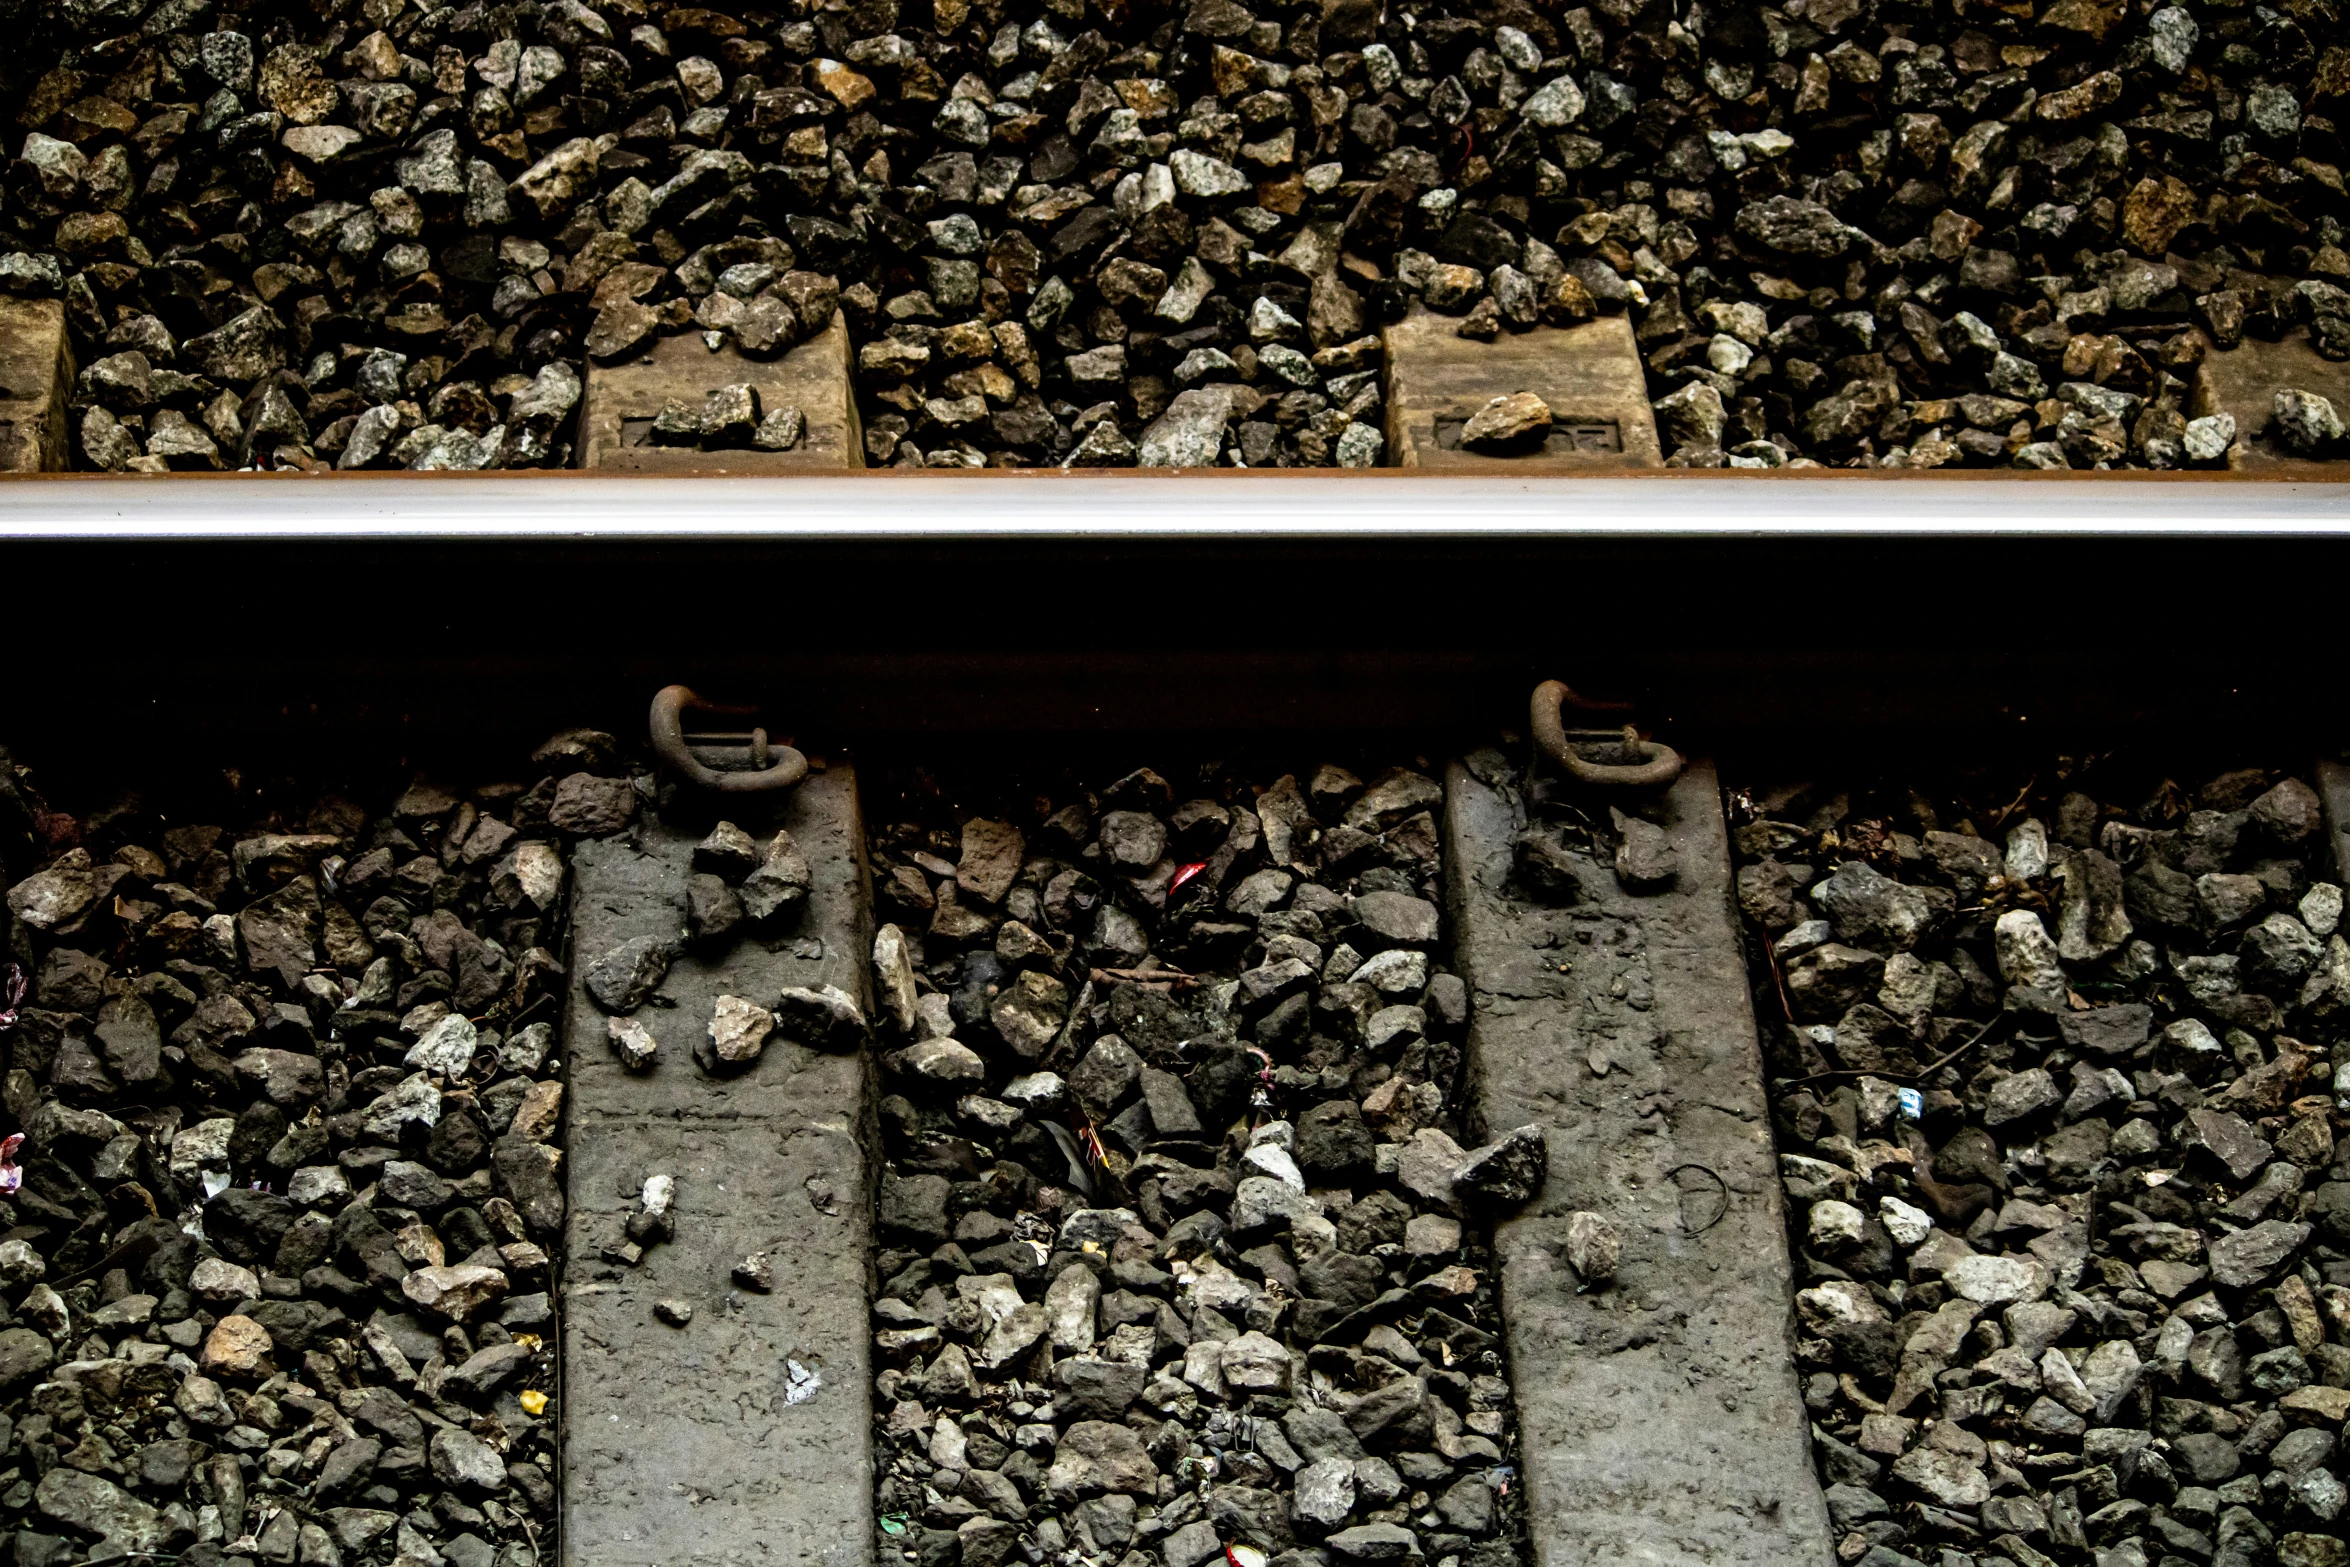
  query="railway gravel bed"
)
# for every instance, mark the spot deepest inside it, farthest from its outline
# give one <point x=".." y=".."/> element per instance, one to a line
<point x="1184" y="1222"/>
<point x="1181" y="1225"/>
<point x="1853" y="232"/>
<point x="2054" y="1073"/>
<point x="276" y="1236"/>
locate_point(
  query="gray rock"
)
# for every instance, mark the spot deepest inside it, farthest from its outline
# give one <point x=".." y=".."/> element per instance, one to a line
<point x="1793" y="227"/>
<point x="1091" y="1388"/>
<point x="1197" y="174"/>
<point x="1871" y="910"/>
<point x="463" y="1460"/>
<point x="1397" y="918"/>
<point x="1594" y="1247"/>
<point x="2229" y="1140"/>
<point x="1508" y="1171"/>
<point x="822" y="1017"/>
<point x="779" y="882"/>
<point x="1644" y="854"/>
<point x="2111" y="1032"/>
<point x="589" y="805"/>
<point x="98" y="1507"/>
<point x="2027" y="958"/>
<point x="1189" y="1546"/>
<point x="1468" y="1506"/>
<point x="56" y="895"/>
<point x="2110" y="1374"/>
<point x="243" y="349"/>
<point x="1376" y="1542"/>
<point x="1095" y="1456"/>
<point x="942" y="1061"/>
<point x="227" y="58"/>
<point x="914" y="1206"/>
<point x="625" y="977"/>
<point x="1359" y="446"/>
<point x="24" y="1355"/>
<point x="1190" y="434"/>
<point x="2015" y="377"/>
<point x="2020" y="1096"/>
<point x="2206" y="439"/>
<point x="2247" y="1257"/>
<point x="1554" y="105"/>
<point x="1947" y="1479"/>
<point x="1109" y="1071"/>
<point x="455" y="1293"/>
<point x="2306" y="422"/>
<point x="2090" y="922"/>
<point x="1325" y="1492"/>
<point x="2289" y="812"/>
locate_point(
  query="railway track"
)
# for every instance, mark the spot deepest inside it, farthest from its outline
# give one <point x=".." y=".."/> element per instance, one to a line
<point x="1505" y="1156"/>
<point x="1014" y="1129"/>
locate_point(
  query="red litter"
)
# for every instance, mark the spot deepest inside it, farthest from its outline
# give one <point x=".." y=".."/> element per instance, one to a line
<point x="11" y="1174"/>
<point x="1184" y="873"/>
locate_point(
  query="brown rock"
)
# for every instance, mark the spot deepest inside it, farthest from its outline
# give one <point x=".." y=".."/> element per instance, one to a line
<point x="1568" y="302"/>
<point x="622" y="327"/>
<point x="2092" y="19"/>
<point x="843" y="85"/>
<point x="292" y="84"/>
<point x="551" y="185"/>
<point x="2155" y="211"/>
<point x="629" y="280"/>
<point x="2332" y="79"/>
<point x="588" y="805"/>
<point x="541" y="1110"/>
<point x="739" y="1030"/>
<point x="237" y="1347"/>
<point x="2082" y="99"/>
<point x="1507" y="422"/>
<point x="990" y="858"/>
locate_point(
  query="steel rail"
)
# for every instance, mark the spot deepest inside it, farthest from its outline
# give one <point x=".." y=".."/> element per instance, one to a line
<point x="1194" y="504"/>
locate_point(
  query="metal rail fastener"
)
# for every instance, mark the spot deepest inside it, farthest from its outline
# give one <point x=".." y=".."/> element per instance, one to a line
<point x="767" y="766"/>
<point x="1659" y="763"/>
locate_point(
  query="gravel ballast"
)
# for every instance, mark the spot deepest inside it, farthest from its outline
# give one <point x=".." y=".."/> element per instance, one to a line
<point x="1180" y="1225"/>
<point x="277" y="1274"/>
<point x="1106" y="234"/>
<point x="2055" y="1083"/>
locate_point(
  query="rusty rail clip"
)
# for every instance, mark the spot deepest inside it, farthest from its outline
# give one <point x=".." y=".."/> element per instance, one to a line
<point x="765" y="766"/>
<point x="1660" y="764"/>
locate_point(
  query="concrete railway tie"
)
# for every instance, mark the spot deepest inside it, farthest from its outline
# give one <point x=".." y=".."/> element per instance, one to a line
<point x="742" y="1435"/>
